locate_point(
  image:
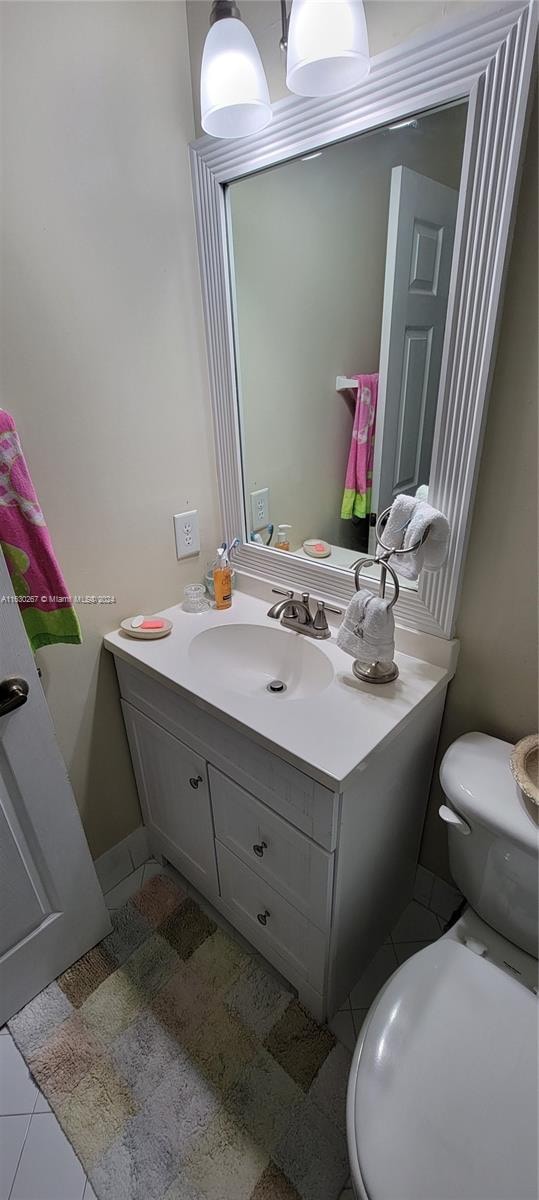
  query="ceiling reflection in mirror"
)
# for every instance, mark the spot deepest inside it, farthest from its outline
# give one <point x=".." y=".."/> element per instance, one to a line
<point x="340" y="265"/>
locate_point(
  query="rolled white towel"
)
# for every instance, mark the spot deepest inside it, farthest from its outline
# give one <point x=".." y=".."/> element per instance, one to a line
<point x="367" y="631"/>
<point x="400" y="514"/>
<point x="347" y="637"/>
<point x="408" y="520"/>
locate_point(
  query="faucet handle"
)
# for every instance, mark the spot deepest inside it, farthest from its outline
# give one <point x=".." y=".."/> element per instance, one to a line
<point x="276" y="609"/>
<point x="320" y="621"/>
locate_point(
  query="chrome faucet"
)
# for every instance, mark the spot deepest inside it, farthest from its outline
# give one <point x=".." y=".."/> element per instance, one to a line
<point x="296" y="614"/>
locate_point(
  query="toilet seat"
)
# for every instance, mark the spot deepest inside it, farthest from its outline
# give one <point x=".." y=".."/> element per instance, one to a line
<point x="442" y="1097"/>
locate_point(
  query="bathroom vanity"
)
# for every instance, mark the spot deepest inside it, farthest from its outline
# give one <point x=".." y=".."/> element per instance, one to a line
<point x="297" y="814"/>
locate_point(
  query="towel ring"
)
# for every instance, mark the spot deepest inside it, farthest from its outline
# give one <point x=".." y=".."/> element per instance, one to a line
<point x="380" y="526"/>
<point x="381" y="561"/>
<point x="383" y="672"/>
<point x="378" y="672"/>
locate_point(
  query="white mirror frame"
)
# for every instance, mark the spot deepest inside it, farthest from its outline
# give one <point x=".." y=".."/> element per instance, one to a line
<point x="486" y="59"/>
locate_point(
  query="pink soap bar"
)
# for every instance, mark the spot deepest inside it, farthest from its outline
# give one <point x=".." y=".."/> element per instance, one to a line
<point x="152" y="625"/>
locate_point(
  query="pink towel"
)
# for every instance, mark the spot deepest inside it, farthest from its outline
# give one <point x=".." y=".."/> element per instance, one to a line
<point x="357" y="488"/>
<point x="44" y="601"/>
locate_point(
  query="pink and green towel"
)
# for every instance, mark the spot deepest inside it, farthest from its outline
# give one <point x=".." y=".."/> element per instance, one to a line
<point x="357" y="489"/>
<point x="44" y="602"/>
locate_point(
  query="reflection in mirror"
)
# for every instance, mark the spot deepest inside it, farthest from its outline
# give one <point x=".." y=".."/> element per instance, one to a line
<point x="341" y="263"/>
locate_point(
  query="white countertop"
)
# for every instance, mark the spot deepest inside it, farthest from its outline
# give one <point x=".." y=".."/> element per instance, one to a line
<point x="328" y="734"/>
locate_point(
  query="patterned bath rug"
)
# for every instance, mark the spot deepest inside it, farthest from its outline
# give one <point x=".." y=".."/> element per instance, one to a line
<point x="181" y="1069"/>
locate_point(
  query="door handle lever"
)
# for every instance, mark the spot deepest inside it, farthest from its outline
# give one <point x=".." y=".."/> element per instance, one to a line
<point x="13" y="693"/>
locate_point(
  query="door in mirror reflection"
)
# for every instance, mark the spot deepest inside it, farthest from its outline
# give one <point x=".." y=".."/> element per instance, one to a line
<point x="341" y="264"/>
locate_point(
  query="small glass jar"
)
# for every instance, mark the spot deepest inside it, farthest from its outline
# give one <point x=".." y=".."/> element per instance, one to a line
<point x="194" y="598"/>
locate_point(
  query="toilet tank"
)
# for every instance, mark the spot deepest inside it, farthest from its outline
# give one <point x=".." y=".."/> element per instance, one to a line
<point x="494" y="849"/>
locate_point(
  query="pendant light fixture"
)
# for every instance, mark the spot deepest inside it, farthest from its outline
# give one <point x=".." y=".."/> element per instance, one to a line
<point x="234" y="97"/>
<point x="328" y="48"/>
<point x="327" y="52"/>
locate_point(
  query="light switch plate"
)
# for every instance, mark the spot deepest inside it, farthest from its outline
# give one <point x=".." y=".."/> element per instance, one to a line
<point x="259" y="508"/>
<point x="186" y="534"/>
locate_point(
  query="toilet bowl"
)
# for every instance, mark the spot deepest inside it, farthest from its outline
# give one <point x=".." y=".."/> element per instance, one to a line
<point x="442" y="1096"/>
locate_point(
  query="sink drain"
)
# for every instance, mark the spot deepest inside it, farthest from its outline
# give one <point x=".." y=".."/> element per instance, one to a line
<point x="276" y="685"/>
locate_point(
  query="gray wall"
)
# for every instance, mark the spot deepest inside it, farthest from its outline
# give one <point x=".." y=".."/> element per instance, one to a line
<point x="495" y="688"/>
<point x="103" y="360"/>
<point x="103" y="364"/>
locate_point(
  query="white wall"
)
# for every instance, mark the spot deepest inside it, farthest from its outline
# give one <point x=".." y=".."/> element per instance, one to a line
<point x="102" y="347"/>
<point x="309" y="252"/>
<point x="495" y="688"/>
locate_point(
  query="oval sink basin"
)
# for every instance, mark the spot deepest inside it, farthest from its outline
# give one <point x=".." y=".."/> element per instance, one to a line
<point x="250" y="658"/>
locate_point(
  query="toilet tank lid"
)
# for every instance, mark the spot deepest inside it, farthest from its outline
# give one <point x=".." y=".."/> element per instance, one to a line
<point x="476" y="777"/>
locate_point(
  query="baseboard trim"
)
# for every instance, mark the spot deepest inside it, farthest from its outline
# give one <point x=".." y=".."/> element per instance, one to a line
<point x="123" y="858"/>
<point x="134" y="850"/>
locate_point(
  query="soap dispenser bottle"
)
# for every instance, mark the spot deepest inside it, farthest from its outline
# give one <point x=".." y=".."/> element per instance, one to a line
<point x="222" y="580"/>
<point x="283" y="538"/>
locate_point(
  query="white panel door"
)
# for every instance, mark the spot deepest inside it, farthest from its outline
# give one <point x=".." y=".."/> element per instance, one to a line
<point x="51" y="904"/>
<point x="175" y="799"/>
<point x="420" y="238"/>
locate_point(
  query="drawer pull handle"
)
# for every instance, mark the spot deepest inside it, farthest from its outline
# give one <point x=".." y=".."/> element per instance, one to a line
<point x="259" y="849"/>
<point x="263" y="917"/>
<point x="195" y="780"/>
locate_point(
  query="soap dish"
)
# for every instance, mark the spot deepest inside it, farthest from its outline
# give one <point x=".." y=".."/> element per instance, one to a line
<point x="147" y="635"/>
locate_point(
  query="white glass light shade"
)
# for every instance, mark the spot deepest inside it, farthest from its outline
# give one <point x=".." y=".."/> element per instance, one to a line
<point x="328" y="48"/>
<point x="234" y="97"/>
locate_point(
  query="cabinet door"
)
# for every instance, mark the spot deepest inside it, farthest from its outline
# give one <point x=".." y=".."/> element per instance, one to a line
<point x="174" y="796"/>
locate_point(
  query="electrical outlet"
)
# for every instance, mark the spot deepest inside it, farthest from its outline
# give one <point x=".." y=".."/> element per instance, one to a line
<point x="260" y="509"/>
<point x="186" y="534"/>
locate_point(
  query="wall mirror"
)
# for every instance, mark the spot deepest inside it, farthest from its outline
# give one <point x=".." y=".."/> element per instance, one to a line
<point x="341" y="262"/>
<point x="352" y="261"/>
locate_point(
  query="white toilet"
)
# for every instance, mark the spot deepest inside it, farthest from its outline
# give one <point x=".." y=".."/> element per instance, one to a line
<point x="443" y="1093"/>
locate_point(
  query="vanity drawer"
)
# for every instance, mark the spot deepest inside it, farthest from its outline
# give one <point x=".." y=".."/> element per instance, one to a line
<point x="292" y="864"/>
<point x="303" y="801"/>
<point x="294" y="945"/>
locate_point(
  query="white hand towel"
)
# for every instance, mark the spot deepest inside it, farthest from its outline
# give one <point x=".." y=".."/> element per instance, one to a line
<point x="400" y="514"/>
<point x="407" y="522"/>
<point x="367" y="631"/>
<point x="347" y="637"/>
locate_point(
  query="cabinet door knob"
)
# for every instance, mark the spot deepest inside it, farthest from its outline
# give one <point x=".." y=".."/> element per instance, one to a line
<point x="195" y="780"/>
<point x="263" y="917"/>
<point x="259" y="849"/>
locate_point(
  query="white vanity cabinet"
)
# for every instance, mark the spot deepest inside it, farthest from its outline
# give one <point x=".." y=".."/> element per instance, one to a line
<point x="172" y="782"/>
<point x="313" y="876"/>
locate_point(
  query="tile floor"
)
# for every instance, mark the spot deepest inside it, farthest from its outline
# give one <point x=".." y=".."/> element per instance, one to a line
<point x="36" y="1160"/>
